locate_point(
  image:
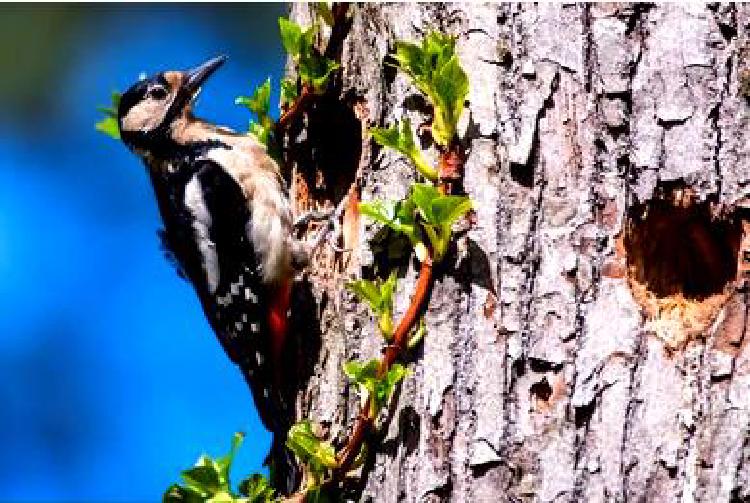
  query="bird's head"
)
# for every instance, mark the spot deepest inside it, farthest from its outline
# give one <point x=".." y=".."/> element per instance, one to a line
<point x="149" y="110"/>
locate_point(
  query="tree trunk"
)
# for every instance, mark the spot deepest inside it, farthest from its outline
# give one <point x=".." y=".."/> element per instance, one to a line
<point x="586" y="336"/>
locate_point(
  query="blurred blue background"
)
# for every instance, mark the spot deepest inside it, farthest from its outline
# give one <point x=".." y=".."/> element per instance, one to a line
<point x="110" y="380"/>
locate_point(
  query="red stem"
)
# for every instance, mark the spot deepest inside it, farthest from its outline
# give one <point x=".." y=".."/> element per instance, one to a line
<point x="451" y="170"/>
<point x="293" y="111"/>
<point x="364" y="421"/>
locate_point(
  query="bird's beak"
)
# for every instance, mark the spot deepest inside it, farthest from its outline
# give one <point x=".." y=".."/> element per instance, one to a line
<point x="195" y="78"/>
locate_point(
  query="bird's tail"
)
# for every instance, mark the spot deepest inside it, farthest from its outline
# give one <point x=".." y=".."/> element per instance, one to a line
<point x="285" y="473"/>
<point x="273" y="413"/>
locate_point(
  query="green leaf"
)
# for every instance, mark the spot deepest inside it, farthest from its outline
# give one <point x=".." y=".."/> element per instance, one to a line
<point x="383" y="212"/>
<point x="204" y="477"/>
<point x="367" y="291"/>
<point x="439" y="212"/>
<point x="436" y="208"/>
<point x="260" y="102"/>
<point x="423" y="195"/>
<point x="438" y="240"/>
<point x="436" y="71"/>
<point x="451" y="86"/>
<point x="178" y="494"/>
<point x="365" y="376"/>
<point x="419" y="334"/>
<point x="296" y="41"/>
<point x="291" y="36"/>
<point x="261" y="132"/>
<point x="410" y="58"/>
<point x="289" y="91"/>
<point x="395" y="374"/>
<point x="257" y="489"/>
<point x="379" y="296"/>
<point x="398" y="215"/>
<point x="311" y="450"/>
<point x="208" y="482"/>
<point x="360" y="372"/>
<point x="377" y="388"/>
<point x="221" y="497"/>
<point x="401" y="139"/>
<point x="448" y="209"/>
<point x="224" y="463"/>
<point x="388" y="287"/>
<point x="388" y="137"/>
<point x="109" y="125"/>
<point x="315" y="69"/>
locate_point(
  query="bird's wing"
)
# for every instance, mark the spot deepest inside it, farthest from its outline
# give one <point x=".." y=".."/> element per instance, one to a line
<point x="233" y="296"/>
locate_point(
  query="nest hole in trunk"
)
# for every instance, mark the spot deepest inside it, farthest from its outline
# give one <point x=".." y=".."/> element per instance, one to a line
<point x="683" y="257"/>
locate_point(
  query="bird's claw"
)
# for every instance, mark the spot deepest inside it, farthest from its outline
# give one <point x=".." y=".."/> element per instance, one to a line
<point x="331" y="230"/>
<point x="311" y="216"/>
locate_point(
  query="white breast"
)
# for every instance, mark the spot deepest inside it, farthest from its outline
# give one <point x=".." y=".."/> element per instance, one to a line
<point x="270" y="229"/>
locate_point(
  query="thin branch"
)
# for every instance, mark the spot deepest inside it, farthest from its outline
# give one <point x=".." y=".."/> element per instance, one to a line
<point x="451" y="165"/>
<point x="400" y="336"/>
<point x="294" y="110"/>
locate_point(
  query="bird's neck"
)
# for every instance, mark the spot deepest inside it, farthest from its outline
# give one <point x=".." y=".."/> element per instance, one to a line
<point x="188" y="129"/>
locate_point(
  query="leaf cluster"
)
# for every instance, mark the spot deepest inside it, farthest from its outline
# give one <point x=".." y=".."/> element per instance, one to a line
<point x="378" y="388"/>
<point x="289" y="92"/>
<point x="426" y="212"/>
<point x="208" y="482"/>
<point x="318" y="456"/>
<point x="400" y="138"/>
<point x="435" y="69"/>
<point x="260" y="105"/>
<point x="378" y="294"/>
<point x="314" y="69"/>
<point x="108" y="125"/>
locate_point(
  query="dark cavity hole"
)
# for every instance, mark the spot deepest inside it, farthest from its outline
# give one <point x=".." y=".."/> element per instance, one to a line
<point x="676" y="244"/>
<point x="542" y="390"/>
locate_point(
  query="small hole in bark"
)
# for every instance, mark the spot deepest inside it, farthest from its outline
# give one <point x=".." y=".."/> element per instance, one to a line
<point x="541" y="390"/>
<point x="584" y="413"/>
<point x="682" y="256"/>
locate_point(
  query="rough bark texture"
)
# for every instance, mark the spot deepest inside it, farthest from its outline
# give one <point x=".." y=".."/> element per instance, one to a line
<point x="545" y="376"/>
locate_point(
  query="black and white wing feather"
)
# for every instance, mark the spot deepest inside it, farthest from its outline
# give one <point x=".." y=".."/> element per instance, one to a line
<point x="219" y="260"/>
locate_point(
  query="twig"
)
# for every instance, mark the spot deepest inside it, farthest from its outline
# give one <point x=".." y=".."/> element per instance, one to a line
<point x="294" y="110"/>
<point x="451" y="167"/>
<point x="451" y="164"/>
<point x="400" y="337"/>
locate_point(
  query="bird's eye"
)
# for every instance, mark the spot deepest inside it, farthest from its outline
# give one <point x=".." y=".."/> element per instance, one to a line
<point x="157" y="93"/>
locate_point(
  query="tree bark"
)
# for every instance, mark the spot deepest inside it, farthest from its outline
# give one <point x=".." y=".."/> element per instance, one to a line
<point x="555" y="366"/>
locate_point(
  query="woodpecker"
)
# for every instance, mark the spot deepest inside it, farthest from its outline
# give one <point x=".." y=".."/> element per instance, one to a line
<point x="227" y="222"/>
